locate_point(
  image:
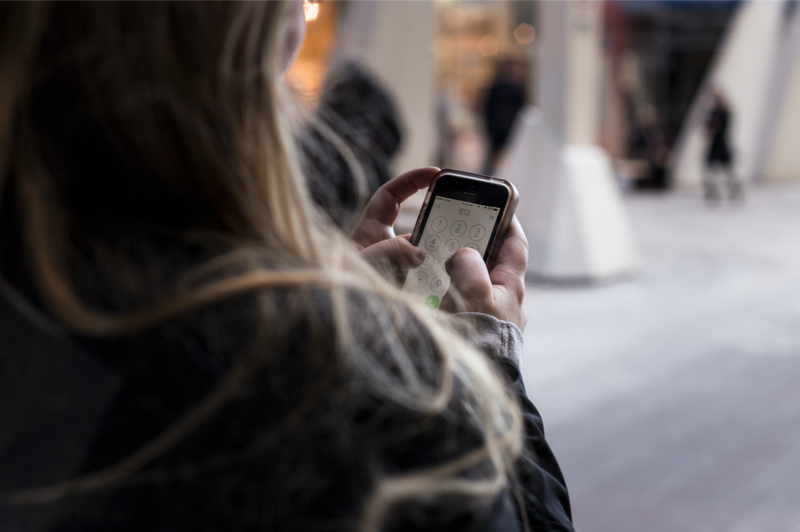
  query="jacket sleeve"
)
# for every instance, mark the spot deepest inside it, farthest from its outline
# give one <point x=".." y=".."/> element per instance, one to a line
<point x="542" y="490"/>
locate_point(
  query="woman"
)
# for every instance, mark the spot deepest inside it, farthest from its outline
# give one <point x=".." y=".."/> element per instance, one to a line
<point x="187" y="345"/>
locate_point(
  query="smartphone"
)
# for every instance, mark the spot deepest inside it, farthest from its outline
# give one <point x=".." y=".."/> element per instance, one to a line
<point x="460" y="210"/>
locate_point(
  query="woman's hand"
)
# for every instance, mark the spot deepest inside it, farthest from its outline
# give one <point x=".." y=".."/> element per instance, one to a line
<point x="499" y="293"/>
<point x="373" y="234"/>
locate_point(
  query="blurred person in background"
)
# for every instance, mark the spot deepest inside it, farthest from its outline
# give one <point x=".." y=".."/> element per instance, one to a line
<point x="188" y="342"/>
<point x="355" y="110"/>
<point x="647" y="143"/>
<point x="719" y="157"/>
<point x="503" y="101"/>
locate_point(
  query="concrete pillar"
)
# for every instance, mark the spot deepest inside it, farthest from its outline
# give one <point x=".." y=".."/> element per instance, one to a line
<point x="743" y="70"/>
<point x="570" y="205"/>
<point x="570" y="76"/>
<point x="395" y="39"/>
<point x="779" y="156"/>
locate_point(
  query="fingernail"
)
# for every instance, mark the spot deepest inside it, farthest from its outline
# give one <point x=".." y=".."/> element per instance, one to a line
<point x="420" y="253"/>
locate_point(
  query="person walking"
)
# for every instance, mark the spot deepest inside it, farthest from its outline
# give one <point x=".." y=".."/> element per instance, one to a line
<point x="504" y="100"/>
<point x="719" y="157"/>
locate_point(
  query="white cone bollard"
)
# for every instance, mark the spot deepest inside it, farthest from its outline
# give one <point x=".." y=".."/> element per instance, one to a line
<point x="570" y="206"/>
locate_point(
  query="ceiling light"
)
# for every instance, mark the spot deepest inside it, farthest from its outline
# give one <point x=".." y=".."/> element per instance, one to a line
<point x="310" y="10"/>
<point x="525" y="33"/>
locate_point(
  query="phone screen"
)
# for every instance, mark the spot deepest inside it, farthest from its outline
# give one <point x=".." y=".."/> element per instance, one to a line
<point x="451" y="224"/>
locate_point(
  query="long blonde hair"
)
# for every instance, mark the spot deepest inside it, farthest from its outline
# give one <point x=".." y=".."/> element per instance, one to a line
<point x="189" y="94"/>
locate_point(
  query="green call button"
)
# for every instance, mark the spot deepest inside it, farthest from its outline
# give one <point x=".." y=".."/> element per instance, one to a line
<point x="432" y="301"/>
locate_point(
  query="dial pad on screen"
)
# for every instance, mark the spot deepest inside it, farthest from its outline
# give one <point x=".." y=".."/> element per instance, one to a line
<point x="451" y="225"/>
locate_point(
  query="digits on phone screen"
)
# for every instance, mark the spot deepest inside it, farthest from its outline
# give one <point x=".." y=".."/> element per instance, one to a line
<point x="452" y="224"/>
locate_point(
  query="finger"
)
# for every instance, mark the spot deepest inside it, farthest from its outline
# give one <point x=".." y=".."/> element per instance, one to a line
<point x="394" y="254"/>
<point x="384" y="205"/>
<point x="512" y="260"/>
<point x="381" y="212"/>
<point x="469" y="277"/>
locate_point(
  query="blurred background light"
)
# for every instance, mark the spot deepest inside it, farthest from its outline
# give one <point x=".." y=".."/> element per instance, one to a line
<point x="311" y="10"/>
<point x="489" y="46"/>
<point x="525" y="33"/>
<point x="307" y="74"/>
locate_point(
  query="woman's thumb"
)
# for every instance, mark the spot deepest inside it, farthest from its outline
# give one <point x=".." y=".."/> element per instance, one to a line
<point x="469" y="276"/>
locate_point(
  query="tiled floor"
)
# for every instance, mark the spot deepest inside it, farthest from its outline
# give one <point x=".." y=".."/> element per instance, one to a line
<point x="672" y="399"/>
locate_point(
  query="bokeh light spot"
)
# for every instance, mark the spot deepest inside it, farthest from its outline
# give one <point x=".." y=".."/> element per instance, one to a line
<point x="488" y="46"/>
<point x="310" y="10"/>
<point x="525" y="33"/>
